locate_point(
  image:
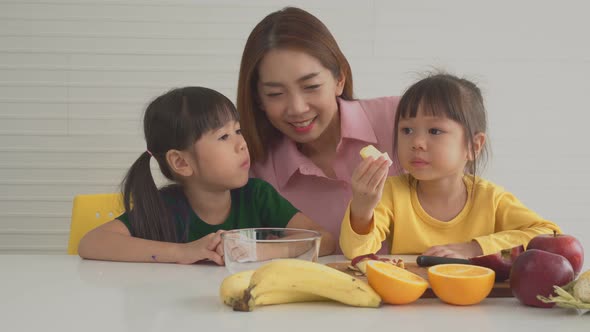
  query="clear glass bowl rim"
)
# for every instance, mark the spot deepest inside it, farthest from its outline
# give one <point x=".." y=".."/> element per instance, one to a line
<point x="313" y="235"/>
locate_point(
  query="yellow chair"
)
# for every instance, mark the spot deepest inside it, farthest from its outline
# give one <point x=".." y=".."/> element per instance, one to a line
<point x="91" y="211"/>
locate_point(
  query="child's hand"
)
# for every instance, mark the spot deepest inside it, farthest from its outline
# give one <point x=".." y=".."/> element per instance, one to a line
<point x="207" y="247"/>
<point x="241" y="250"/>
<point x="455" y="250"/>
<point x="367" y="186"/>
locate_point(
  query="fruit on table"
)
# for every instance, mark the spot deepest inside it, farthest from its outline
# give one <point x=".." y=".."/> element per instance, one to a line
<point x="534" y="272"/>
<point x="394" y="284"/>
<point x="359" y="263"/>
<point x="306" y="277"/>
<point x="501" y="262"/>
<point x="575" y="295"/>
<point x="360" y="258"/>
<point x="232" y="290"/>
<point x="232" y="287"/>
<point x="561" y="244"/>
<point x="461" y="284"/>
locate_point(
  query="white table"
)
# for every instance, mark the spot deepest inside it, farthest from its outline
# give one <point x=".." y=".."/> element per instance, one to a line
<point x="66" y="293"/>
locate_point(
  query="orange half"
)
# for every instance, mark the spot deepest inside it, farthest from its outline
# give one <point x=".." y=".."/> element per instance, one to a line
<point x="394" y="284"/>
<point x="461" y="284"/>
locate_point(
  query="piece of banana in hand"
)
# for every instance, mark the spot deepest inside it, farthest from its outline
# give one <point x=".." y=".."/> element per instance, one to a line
<point x="372" y="151"/>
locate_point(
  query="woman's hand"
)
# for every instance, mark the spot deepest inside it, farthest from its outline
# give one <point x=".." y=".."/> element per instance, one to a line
<point x="208" y="247"/>
<point x="367" y="187"/>
<point x="455" y="250"/>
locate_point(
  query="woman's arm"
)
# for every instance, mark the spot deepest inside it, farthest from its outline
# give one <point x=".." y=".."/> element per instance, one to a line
<point x="113" y="242"/>
<point x="328" y="243"/>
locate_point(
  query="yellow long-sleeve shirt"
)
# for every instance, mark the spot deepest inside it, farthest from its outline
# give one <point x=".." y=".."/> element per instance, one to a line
<point x="492" y="216"/>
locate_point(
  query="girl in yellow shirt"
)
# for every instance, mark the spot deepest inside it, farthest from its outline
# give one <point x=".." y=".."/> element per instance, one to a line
<point x="439" y="207"/>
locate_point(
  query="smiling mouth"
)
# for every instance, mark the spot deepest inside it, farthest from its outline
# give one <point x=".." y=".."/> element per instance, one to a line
<point x="302" y="124"/>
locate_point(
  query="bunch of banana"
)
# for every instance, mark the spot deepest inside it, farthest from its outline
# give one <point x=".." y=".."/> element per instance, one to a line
<point x="233" y="287"/>
<point x="293" y="280"/>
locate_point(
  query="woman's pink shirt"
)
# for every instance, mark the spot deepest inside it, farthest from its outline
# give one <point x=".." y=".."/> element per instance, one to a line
<point x="300" y="181"/>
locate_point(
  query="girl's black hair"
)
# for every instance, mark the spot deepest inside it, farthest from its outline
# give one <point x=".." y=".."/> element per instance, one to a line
<point x="174" y="120"/>
<point x="452" y="97"/>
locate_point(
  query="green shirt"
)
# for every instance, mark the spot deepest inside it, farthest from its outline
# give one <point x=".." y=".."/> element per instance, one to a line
<point x="257" y="204"/>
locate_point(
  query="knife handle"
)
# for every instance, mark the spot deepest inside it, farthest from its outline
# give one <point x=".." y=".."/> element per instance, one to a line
<point x="435" y="260"/>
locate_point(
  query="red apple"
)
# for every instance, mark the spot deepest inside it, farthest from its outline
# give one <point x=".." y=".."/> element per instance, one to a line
<point x="561" y="244"/>
<point x="500" y="262"/>
<point x="534" y="272"/>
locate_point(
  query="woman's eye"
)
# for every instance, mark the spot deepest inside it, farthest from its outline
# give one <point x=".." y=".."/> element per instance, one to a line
<point x="239" y="131"/>
<point x="435" y="131"/>
<point x="274" y="94"/>
<point x="223" y="137"/>
<point x="312" y="87"/>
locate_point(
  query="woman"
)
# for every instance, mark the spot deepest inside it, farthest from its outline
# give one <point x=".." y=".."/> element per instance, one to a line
<point x="298" y="115"/>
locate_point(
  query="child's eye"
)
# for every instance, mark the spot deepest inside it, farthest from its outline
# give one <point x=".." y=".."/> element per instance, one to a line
<point x="239" y="131"/>
<point x="312" y="87"/>
<point x="274" y="94"/>
<point x="223" y="137"/>
<point x="406" y="131"/>
<point x="435" y="131"/>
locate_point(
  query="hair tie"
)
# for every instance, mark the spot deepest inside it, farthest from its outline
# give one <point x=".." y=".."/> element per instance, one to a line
<point x="150" y="153"/>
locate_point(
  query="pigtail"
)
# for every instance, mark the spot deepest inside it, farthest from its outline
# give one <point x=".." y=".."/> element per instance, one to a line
<point x="148" y="215"/>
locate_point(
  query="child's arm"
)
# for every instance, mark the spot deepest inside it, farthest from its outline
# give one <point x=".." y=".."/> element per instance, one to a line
<point x="367" y="184"/>
<point x="515" y="225"/>
<point x="354" y="244"/>
<point x="113" y="242"/>
<point x="361" y="233"/>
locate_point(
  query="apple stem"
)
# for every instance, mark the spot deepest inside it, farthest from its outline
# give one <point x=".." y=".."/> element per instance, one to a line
<point x="554" y="233"/>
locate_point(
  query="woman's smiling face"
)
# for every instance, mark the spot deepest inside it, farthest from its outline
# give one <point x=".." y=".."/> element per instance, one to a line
<point x="298" y="94"/>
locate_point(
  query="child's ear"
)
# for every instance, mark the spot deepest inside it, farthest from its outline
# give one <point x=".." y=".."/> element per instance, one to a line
<point x="478" y="142"/>
<point x="177" y="160"/>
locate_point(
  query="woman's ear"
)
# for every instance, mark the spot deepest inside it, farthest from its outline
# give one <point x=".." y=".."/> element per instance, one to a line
<point x="178" y="163"/>
<point x="340" y="82"/>
<point x="478" y="142"/>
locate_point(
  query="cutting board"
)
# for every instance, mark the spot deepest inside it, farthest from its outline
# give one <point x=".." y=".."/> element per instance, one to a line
<point x="501" y="289"/>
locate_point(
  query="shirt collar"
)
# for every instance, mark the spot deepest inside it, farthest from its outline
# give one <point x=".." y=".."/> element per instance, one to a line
<point x="354" y="124"/>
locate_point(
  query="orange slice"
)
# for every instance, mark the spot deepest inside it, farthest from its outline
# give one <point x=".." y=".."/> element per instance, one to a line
<point x="461" y="284"/>
<point x="394" y="284"/>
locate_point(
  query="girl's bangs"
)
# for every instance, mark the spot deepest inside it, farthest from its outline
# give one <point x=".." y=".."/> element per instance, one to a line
<point x="206" y="114"/>
<point x="438" y="100"/>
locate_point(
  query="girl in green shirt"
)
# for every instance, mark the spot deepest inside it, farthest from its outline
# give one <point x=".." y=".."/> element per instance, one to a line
<point x="194" y="135"/>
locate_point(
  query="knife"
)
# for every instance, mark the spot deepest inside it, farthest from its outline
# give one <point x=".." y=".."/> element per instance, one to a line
<point x="435" y="260"/>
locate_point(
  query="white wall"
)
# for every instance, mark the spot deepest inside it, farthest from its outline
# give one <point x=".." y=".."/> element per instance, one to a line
<point x="75" y="76"/>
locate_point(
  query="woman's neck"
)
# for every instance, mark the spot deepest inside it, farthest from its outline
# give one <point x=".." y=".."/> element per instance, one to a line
<point x="443" y="198"/>
<point x="213" y="207"/>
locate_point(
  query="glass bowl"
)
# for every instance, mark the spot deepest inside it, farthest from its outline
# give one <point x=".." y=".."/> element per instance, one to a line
<point x="250" y="248"/>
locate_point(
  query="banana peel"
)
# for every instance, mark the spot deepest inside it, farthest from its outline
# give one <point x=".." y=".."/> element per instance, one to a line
<point x="565" y="299"/>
